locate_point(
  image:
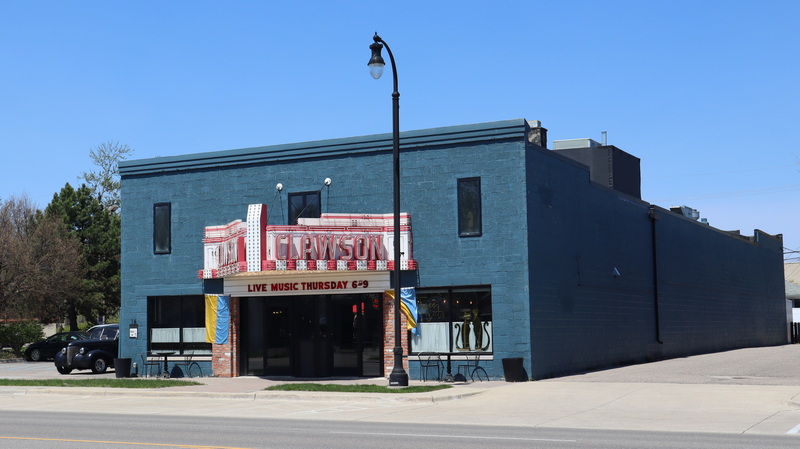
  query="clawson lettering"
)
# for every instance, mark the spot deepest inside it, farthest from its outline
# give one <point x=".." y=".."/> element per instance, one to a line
<point x="329" y="247"/>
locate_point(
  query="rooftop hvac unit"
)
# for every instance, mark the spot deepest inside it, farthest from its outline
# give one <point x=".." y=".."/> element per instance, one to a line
<point x="575" y="143"/>
<point x="686" y="211"/>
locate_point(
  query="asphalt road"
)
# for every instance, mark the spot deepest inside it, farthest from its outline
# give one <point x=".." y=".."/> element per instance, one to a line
<point x="54" y="430"/>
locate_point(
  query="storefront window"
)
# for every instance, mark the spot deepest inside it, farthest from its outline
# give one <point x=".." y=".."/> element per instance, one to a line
<point x="177" y="324"/>
<point x="454" y="320"/>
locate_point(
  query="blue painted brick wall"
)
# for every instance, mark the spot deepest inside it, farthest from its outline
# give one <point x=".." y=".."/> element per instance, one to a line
<point x="715" y="291"/>
<point x="551" y="243"/>
<point x="361" y="183"/>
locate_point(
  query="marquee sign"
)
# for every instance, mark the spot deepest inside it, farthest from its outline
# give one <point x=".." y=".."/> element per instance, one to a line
<point x="333" y="242"/>
<point x="290" y="283"/>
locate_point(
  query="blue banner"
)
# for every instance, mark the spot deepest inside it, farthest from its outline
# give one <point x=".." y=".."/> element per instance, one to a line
<point x="223" y="319"/>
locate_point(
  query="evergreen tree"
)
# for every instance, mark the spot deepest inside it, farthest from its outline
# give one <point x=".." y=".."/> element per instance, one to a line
<point x="97" y="229"/>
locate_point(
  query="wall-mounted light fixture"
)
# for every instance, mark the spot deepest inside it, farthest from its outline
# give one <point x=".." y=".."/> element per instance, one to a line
<point x="278" y="187"/>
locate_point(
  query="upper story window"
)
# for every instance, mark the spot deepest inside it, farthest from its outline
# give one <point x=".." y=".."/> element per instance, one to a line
<point x="304" y="205"/>
<point x="469" y="207"/>
<point x="162" y="228"/>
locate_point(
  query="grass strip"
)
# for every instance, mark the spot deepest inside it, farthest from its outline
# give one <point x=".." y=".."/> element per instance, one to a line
<point x="101" y="383"/>
<point x="357" y="388"/>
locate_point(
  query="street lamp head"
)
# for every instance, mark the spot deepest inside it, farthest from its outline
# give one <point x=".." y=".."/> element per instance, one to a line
<point x="376" y="62"/>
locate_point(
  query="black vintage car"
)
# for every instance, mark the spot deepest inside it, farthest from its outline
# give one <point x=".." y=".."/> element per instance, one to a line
<point x="97" y="353"/>
<point x="50" y="346"/>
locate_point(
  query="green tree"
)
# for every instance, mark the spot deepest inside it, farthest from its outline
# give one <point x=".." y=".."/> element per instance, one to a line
<point x="105" y="182"/>
<point x="20" y="333"/>
<point x="97" y="229"/>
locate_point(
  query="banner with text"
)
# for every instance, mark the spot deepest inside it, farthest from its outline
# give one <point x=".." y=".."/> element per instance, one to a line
<point x="335" y="283"/>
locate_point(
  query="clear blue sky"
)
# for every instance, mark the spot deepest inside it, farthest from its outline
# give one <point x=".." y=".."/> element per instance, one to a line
<point x="705" y="93"/>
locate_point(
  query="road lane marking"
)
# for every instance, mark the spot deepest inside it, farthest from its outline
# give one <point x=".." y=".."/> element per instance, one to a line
<point x="795" y="429"/>
<point x="131" y="443"/>
<point x="469" y="437"/>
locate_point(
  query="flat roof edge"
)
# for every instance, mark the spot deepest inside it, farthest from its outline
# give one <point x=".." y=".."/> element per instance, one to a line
<point x="460" y="134"/>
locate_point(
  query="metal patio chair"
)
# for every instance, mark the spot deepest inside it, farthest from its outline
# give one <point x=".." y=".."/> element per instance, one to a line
<point x="428" y="361"/>
<point x="472" y="367"/>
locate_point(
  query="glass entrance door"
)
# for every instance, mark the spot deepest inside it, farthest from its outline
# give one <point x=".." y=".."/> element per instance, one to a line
<point x="267" y="333"/>
<point x="313" y="336"/>
<point x="277" y="336"/>
<point x="346" y="325"/>
<point x="310" y="342"/>
<point x="357" y="335"/>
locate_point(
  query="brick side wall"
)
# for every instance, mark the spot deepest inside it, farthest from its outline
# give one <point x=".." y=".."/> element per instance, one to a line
<point x="593" y="299"/>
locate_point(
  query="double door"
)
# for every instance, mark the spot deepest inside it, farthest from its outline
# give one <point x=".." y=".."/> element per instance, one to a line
<point x="313" y="336"/>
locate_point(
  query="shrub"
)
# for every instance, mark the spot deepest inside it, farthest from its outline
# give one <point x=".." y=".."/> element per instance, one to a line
<point x="17" y="334"/>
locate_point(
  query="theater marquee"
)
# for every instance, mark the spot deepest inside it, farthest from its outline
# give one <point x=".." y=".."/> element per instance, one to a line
<point x="331" y="243"/>
<point x="289" y="284"/>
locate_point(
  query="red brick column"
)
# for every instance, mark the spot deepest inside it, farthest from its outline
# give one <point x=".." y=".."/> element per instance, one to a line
<point x="388" y="336"/>
<point x="225" y="358"/>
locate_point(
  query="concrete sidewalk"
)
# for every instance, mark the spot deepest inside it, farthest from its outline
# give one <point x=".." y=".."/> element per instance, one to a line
<point x="744" y="391"/>
<point x="739" y="409"/>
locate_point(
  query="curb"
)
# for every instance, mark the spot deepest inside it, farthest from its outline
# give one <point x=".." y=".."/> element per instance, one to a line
<point x="443" y="395"/>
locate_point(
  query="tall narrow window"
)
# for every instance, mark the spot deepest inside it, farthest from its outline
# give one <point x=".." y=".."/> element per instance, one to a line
<point x="162" y="228"/>
<point x="303" y="205"/>
<point x="469" y="207"/>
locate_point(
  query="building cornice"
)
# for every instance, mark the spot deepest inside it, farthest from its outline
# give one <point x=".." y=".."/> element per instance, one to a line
<point x="462" y="134"/>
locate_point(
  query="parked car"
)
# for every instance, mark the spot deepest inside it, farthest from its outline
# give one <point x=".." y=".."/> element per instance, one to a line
<point x="96" y="353"/>
<point x="47" y="348"/>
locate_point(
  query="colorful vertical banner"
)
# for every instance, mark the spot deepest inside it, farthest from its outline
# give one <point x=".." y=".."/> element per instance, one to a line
<point x="218" y="318"/>
<point x="211" y="318"/>
<point x="408" y="305"/>
<point x="223" y="319"/>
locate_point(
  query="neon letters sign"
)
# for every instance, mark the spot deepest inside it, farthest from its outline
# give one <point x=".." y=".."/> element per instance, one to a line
<point x="332" y="242"/>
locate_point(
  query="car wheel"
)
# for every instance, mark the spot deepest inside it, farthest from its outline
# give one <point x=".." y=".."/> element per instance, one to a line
<point x="100" y="366"/>
<point x="35" y="355"/>
<point x="63" y="369"/>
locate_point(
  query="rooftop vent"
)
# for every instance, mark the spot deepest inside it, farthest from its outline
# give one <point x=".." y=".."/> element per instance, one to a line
<point x="575" y="143"/>
<point x="537" y="135"/>
<point x="688" y="212"/>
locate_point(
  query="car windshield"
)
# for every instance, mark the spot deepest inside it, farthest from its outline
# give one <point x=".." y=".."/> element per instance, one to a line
<point x="103" y="333"/>
<point x="79" y="336"/>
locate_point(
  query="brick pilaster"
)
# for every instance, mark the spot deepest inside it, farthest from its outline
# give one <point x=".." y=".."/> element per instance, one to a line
<point x="225" y="357"/>
<point x="388" y="336"/>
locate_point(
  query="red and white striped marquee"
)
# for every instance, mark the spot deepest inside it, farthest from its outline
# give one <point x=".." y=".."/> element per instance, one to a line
<point x="333" y="242"/>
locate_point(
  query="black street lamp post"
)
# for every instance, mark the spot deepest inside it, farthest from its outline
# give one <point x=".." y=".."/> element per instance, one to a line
<point x="398" y="377"/>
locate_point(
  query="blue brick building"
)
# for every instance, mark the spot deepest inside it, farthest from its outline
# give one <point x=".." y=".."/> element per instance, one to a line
<point x="514" y="251"/>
